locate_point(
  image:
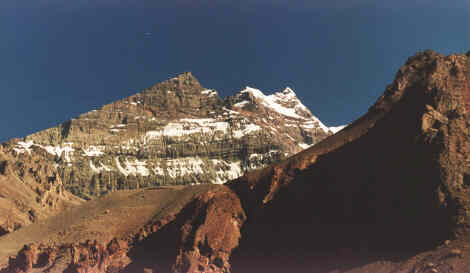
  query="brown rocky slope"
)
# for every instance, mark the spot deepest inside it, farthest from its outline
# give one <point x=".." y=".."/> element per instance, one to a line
<point x="389" y="186"/>
<point x="389" y="193"/>
<point x="30" y="190"/>
<point x="179" y="229"/>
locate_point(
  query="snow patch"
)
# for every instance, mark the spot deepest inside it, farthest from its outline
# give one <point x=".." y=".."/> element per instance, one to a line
<point x="132" y="168"/>
<point x="209" y="92"/>
<point x="256" y="160"/>
<point x="23" y="147"/>
<point x="93" y="151"/>
<point x="304" y="145"/>
<point x="118" y="126"/>
<point x="314" y="123"/>
<point x="158" y="171"/>
<point x="99" y="169"/>
<point x="230" y="112"/>
<point x="226" y="170"/>
<point x="249" y="128"/>
<point x="186" y="127"/>
<point x="66" y="150"/>
<point x="335" y="129"/>
<point x="241" y="104"/>
<point x="185" y="166"/>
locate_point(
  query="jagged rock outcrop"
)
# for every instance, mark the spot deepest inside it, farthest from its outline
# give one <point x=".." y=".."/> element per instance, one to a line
<point x="176" y="132"/>
<point x="193" y="229"/>
<point x="30" y="190"/>
<point x="389" y="193"/>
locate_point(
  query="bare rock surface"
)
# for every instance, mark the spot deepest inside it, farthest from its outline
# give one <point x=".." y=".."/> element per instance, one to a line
<point x="174" y="133"/>
<point x="388" y="193"/>
<point x="177" y="229"/>
<point x="382" y="195"/>
<point x="30" y="190"/>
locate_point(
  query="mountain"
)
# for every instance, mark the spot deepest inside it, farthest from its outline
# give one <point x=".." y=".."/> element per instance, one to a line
<point x="388" y="193"/>
<point x="176" y="132"/>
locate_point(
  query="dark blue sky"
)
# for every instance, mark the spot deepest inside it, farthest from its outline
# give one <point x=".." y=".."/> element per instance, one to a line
<point x="62" y="58"/>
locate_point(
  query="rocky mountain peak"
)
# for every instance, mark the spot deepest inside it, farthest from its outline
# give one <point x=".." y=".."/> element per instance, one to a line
<point x="175" y="132"/>
<point x="287" y="94"/>
<point x="284" y="105"/>
<point x="284" y="102"/>
<point x="186" y="80"/>
<point x="390" y="193"/>
<point x="184" y="86"/>
<point x="288" y="90"/>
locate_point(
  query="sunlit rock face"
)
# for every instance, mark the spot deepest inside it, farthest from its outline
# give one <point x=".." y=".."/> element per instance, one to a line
<point x="389" y="193"/>
<point x="176" y="132"/>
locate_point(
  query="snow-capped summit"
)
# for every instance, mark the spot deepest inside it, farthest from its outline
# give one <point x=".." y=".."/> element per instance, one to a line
<point x="288" y="92"/>
<point x="283" y="112"/>
<point x="176" y="132"/>
<point x="284" y="102"/>
<point x="253" y="91"/>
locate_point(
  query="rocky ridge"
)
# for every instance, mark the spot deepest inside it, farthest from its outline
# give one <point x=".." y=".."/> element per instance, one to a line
<point x="348" y="204"/>
<point x="386" y="194"/>
<point x="176" y="132"/>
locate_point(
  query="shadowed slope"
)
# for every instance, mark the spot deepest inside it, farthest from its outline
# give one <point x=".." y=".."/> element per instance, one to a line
<point x="390" y="185"/>
<point x="383" y="195"/>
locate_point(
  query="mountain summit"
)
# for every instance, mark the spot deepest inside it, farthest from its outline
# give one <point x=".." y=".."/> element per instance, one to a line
<point x="173" y="133"/>
<point x="389" y="193"/>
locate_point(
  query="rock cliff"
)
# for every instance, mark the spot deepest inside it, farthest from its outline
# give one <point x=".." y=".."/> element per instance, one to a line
<point x="31" y="189"/>
<point x="175" y="132"/>
<point x="389" y="193"/>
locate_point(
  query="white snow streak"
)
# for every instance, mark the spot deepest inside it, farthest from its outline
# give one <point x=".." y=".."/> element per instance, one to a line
<point x="185" y="166"/>
<point x="132" y="168"/>
<point x="336" y="129"/>
<point x="99" y="169"/>
<point x="227" y="170"/>
<point x="93" y="151"/>
<point x="304" y="145"/>
<point x="186" y="127"/>
<point x="209" y="92"/>
<point x="249" y="128"/>
<point x="23" y="147"/>
<point x="65" y="149"/>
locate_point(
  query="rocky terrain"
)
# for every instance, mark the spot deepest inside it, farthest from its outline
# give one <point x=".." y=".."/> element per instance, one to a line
<point x="31" y="189"/>
<point x="194" y="227"/>
<point x="174" y="133"/>
<point x="387" y="194"/>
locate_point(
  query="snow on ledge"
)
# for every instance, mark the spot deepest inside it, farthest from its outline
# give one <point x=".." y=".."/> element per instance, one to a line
<point x="336" y="129"/>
